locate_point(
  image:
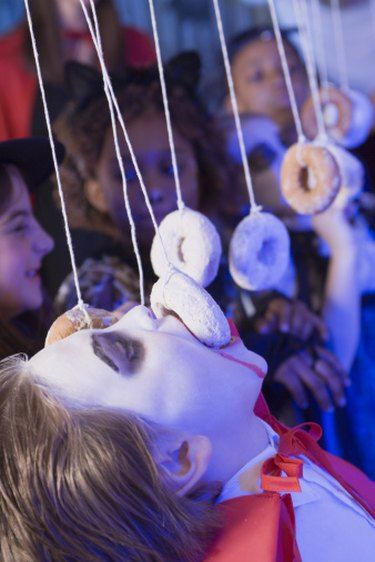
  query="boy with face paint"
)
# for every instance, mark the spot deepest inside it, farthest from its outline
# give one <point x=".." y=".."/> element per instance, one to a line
<point x="210" y="425"/>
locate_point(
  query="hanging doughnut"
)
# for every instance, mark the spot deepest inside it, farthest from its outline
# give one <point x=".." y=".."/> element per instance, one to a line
<point x="310" y="178"/>
<point x="259" y="252"/>
<point x="178" y="294"/>
<point x="192" y="245"/>
<point x="76" y="319"/>
<point x="348" y="116"/>
<point x="351" y="172"/>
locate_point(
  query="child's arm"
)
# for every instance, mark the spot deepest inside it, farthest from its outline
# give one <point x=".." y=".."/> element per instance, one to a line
<point x="341" y="308"/>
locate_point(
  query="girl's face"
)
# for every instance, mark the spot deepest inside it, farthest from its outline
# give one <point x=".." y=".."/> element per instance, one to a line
<point x="155" y="368"/>
<point x="23" y="244"/>
<point x="260" y="84"/>
<point x="149" y="139"/>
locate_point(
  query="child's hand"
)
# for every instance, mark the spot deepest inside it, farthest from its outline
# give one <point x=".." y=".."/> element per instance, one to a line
<point x="334" y="228"/>
<point x="320" y="373"/>
<point x="292" y="317"/>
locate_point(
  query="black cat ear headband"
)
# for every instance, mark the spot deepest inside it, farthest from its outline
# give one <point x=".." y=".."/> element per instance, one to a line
<point x="85" y="83"/>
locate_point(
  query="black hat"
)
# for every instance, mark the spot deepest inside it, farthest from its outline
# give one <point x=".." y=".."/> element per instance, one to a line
<point x="32" y="156"/>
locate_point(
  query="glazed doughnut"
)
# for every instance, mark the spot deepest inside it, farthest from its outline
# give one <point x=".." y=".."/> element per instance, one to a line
<point x="310" y="178"/>
<point x="259" y="252"/>
<point x="348" y="116"/>
<point x="75" y="319"/>
<point x="179" y="294"/>
<point x="351" y="172"/>
<point x="192" y="244"/>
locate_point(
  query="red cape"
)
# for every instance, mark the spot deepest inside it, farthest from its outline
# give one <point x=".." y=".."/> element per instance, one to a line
<point x="261" y="527"/>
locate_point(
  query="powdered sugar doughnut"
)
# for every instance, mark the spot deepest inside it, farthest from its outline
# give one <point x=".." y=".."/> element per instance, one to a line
<point x="75" y="319"/>
<point x="351" y="172"/>
<point x="310" y="178"/>
<point x="177" y="293"/>
<point x="192" y="244"/>
<point x="259" y="252"/>
<point x="348" y="116"/>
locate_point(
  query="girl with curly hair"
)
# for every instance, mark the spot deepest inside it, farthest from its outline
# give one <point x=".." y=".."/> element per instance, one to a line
<point x="92" y="179"/>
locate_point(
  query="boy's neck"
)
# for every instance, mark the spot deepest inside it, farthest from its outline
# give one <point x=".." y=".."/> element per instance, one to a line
<point x="235" y="447"/>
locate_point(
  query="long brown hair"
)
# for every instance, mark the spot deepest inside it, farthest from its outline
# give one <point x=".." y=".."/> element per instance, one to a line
<point x="82" y="129"/>
<point x="26" y="334"/>
<point x="82" y="485"/>
<point x="45" y="18"/>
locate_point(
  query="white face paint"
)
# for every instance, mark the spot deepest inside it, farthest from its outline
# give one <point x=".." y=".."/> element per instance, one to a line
<point x="155" y="368"/>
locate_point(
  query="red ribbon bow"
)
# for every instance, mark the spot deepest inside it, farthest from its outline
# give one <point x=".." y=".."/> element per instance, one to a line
<point x="281" y="473"/>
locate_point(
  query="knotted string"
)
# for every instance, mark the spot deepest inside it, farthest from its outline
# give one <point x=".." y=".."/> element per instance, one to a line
<point x="180" y="202"/>
<point x="80" y="304"/>
<point x="286" y="72"/>
<point x="254" y="208"/>
<point x="301" y="13"/>
<point x="106" y="78"/>
<point x="338" y="35"/>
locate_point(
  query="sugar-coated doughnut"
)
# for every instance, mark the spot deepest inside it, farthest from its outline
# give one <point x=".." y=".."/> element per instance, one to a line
<point x="310" y="178"/>
<point x="351" y="172"/>
<point x="259" y="252"/>
<point x="192" y="244"/>
<point x="348" y="116"/>
<point x="179" y="294"/>
<point x="75" y="319"/>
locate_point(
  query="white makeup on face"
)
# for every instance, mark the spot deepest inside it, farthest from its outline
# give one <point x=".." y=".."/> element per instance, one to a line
<point x="155" y="368"/>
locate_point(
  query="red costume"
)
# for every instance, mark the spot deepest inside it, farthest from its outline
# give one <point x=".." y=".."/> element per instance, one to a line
<point x="261" y="527"/>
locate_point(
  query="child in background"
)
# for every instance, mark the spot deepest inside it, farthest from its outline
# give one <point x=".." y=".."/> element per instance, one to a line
<point x="92" y="178"/>
<point x="24" y="164"/>
<point x="61" y="34"/>
<point x="331" y="287"/>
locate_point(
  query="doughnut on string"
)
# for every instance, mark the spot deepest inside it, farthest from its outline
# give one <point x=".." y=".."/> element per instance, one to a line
<point x="257" y="226"/>
<point x="192" y="243"/>
<point x="80" y="304"/>
<point x="72" y="321"/>
<point x="181" y="241"/>
<point x="185" y="299"/>
<point x="200" y="313"/>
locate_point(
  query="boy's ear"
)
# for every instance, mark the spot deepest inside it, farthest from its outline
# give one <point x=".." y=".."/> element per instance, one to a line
<point x="95" y="195"/>
<point x="185" y="461"/>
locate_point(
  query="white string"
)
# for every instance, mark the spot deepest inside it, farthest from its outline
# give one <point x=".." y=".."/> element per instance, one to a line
<point x="113" y="98"/>
<point x="301" y="13"/>
<point x="254" y="208"/>
<point x="319" y="43"/>
<point x="339" y="44"/>
<point x="285" y="67"/>
<point x="180" y="202"/>
<point x="133" y="233"/>
<point x="69" y="242"/>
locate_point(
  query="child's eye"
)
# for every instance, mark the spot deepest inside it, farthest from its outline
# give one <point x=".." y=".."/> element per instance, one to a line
<point x="167" y="170"/>
<point x="130" y="174"/>
<point x="20" y="227"/>
<point x="257" y="76"/>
